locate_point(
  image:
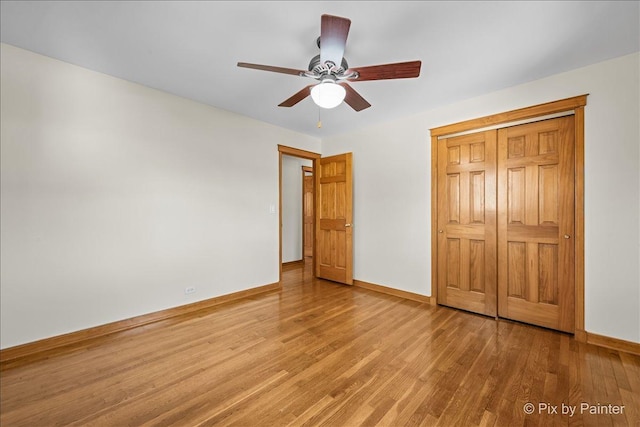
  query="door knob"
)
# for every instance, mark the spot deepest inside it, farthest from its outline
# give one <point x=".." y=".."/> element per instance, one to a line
<point x="440" y="231"/>
<point x="566" y="236"/>
<point x="347" y="225"/>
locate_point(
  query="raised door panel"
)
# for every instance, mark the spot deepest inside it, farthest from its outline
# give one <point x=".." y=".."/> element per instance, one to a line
<point x="467" y="222"/>
<point x="535" y="223"/>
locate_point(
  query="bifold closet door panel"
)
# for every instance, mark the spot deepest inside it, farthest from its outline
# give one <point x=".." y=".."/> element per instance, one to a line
<point x="467" y="249"/>
<point x="536" y="176"/>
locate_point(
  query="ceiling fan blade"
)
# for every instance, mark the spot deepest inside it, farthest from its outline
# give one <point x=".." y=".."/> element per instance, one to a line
<point x="399" y="70"/>
<point x="297" y="97"/>
<point x="271" y="68"/>
<point x="353" y="98"/>
<point x="333" y="38"/>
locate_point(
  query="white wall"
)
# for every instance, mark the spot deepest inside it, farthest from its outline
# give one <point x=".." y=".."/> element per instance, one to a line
<point x="292" y="207"/>
<point x="115" y="197"/>
<point x="392" y="189"/>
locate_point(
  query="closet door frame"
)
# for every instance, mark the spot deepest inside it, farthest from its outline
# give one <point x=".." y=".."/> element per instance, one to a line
<point x="574" y="106"/>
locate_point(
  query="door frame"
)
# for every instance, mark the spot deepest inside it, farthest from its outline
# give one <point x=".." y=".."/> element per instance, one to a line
<point x="303" y="154"/>
<point x="520" y="116"/>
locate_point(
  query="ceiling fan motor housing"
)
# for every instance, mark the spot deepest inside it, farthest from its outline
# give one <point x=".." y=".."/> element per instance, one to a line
<point x="316" y="67"/>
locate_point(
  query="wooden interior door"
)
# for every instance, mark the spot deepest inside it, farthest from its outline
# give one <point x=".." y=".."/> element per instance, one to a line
<point x="307" y="211"/>
<point x="467" y="222"/>
<point x="334" y="211"/>
<point x="536" y="223"/>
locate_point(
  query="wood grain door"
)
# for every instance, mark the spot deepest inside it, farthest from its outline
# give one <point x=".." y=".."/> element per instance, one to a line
<point x="536" y="223"/>
<point x="307" y="211"/>
<point x="467" y="222"/>
<point x="334" y="211"/>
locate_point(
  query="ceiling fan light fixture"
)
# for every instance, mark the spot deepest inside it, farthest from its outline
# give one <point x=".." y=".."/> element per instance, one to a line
<point x="328" y="94"/>
<point x="330" y="67"/>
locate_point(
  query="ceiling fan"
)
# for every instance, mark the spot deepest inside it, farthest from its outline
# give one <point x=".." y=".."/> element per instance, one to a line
<point x="332" y="71"/>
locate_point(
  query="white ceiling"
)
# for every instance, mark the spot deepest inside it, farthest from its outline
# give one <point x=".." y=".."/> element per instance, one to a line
<point x="190" y="48"/>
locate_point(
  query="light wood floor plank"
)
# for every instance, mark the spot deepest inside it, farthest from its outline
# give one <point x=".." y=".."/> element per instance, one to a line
<point x="322" y="354"/>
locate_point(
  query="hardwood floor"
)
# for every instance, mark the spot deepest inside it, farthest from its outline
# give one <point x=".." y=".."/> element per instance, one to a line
<point x="320" y="353"/>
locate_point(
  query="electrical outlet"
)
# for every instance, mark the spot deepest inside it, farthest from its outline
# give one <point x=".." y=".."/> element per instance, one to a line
<point x="189" y="290"/>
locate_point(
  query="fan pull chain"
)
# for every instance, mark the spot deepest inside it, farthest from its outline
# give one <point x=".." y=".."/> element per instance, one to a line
<point x="319" y="121"/>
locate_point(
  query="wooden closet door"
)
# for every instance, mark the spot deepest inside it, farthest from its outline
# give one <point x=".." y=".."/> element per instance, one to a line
<point x="467" y="222"/>
<point x="536" y="176"/>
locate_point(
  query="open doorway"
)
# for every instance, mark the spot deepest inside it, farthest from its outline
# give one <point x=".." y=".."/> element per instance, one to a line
<point x="291" y="214"/>
<point x="332" y="256"/>
<point x="296" y="230"/>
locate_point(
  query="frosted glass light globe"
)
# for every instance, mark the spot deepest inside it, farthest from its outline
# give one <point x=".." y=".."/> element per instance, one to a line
<point x="328" y="94"/>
